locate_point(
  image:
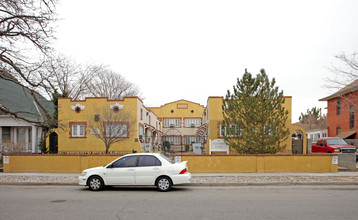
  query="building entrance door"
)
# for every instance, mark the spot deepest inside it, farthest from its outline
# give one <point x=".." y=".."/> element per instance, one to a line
<point x="297" y="143"/>
<point x="53" y="143"/>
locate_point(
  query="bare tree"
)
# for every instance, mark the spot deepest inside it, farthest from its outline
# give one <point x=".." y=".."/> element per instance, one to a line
<point x="25" y="28"/>
<point x="107" y="83"/>
<point x="345" y="80"/>
<point x="26" y="32"/>
<point x="111" y="125"/>
<point x="345" y="72"/>
<point x="62" y="75"/>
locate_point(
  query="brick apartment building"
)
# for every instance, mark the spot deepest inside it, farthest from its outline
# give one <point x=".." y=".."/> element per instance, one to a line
<point x="341" y="108"/>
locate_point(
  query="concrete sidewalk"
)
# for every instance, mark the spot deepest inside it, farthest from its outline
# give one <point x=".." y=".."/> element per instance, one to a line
<point x="201" y="179"/>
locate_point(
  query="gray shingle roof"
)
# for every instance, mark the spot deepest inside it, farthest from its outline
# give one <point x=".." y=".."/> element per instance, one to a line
<point x="17" y="98"/>
<point x="348" y="89"/>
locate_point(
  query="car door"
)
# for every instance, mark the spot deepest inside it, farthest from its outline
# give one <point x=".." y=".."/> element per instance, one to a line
<point x="315" y="146"/>
<point x="147" y="170"/>
<point x="323" y="146"/>
<point x="121" y="172"/>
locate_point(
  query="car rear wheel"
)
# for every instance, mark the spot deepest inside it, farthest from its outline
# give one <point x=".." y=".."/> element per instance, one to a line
<point x="95" y="183"/>
<point x="164" y="184"/>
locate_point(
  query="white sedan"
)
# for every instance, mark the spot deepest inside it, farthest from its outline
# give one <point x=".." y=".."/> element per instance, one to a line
<point x="137" y="169"/>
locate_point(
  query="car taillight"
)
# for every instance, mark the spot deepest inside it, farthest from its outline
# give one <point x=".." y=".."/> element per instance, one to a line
<point x="183" y="171"/>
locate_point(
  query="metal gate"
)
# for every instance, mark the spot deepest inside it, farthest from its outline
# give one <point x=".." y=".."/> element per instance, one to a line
<point x="297" y="146"/>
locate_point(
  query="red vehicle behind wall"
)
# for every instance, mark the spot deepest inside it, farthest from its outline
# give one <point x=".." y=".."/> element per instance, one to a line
<point x="333" y="145"/>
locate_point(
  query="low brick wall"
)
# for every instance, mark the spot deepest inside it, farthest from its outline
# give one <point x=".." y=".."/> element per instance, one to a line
<point x="196" y="163"/>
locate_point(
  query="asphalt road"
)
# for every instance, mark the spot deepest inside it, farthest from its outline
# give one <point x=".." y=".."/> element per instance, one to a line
<point x="242" y="202"/>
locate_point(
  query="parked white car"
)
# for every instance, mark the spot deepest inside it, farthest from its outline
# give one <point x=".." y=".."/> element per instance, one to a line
<point x="137" y="169"/>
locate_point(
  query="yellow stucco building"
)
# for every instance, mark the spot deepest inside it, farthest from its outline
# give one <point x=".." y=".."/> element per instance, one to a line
<point x="183" y="123"/>
<point x="77" y="130"/>
<point x="181" y="120"/>
<point x="213" y="118"/>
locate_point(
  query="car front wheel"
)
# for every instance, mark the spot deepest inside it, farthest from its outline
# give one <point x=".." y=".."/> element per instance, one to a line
<point x="95" y="183"/>
<point x="164" y="184"/>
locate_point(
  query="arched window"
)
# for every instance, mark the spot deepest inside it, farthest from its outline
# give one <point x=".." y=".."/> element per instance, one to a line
<point x="338" y="130"/>
<point x="351" y="117"/>
<point x="338" y="107"/>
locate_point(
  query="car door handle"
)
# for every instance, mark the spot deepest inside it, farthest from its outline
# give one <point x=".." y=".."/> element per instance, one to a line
<point x="131" y="169"/>
<point x="156" y="168"/>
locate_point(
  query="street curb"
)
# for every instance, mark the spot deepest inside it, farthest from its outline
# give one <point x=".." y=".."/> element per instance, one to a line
<point x="265" y="184"/>
<point x="199" y="184"/>
<point x="36" y="184"/>
<point x="213" y="180"/>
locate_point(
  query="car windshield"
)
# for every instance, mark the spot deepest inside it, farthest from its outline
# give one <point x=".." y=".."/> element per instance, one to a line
<point x="166" y="158"/>
<point x="337" y="141"/>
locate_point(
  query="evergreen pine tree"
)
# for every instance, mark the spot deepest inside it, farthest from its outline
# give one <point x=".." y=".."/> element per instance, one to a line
<point x="254" y="116"/>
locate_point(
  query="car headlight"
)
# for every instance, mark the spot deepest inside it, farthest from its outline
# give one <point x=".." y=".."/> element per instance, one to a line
<point x="337" y="150"/>
<point x="83" y="173"/>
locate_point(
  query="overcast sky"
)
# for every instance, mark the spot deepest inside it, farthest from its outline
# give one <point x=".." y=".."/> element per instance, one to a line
<point x="195" y="49"/>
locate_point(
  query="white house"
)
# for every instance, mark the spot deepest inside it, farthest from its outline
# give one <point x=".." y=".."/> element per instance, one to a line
<point x="20" y="135"/>
<point x="314" y="134"/>
<point x="315" y="131"/>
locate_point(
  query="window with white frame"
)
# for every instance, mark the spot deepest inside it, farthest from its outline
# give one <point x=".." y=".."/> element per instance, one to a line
<point x="117" y="130"/>
<point x="222" y="130"/>
<point x="192" y="122"/>
<point x="78" y="130"/>
<point x="176" y="140"/>
<point x="141" y="130"/>
<point x="231" y="130"/>
<point x="192" y="139"/>
<point x="270" y="130"/>
<point x="6" y="134"/>
<point x="95" y="131"/>
<point x="172" y="122"/>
